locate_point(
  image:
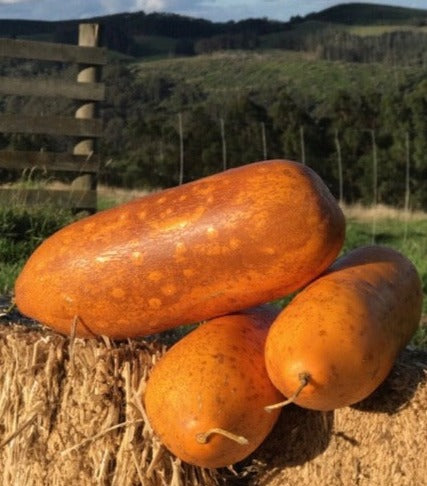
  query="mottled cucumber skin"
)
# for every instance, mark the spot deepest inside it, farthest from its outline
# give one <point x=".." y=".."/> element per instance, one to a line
<point x="214" y="377"/>
<point x="223" y="243"/>
<point x="346" y="328"/>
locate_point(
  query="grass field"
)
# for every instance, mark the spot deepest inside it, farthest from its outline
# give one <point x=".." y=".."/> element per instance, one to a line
<point x="374" y="30"/>
<point x="22" y="230"/>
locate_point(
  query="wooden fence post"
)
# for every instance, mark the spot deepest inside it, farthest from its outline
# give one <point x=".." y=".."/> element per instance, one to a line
<point x="88" y="37"/>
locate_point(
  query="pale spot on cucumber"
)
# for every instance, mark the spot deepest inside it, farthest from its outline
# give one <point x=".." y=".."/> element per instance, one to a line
<point x="137" y="258"/>
<point x="212" y="232"/>
<point x="268" y="250"/>
<point x="234" y="243"/>
<point x="168" y="289"/>
<point x="118" y="293"/>
<point x="103" y="259"/>
<point x="155" y="276"/>
<point x="155" y="303"/>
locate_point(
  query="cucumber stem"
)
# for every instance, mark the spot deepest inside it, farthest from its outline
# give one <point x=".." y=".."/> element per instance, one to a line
<point x="304" y="378"/>
<point x="203" y="438"/>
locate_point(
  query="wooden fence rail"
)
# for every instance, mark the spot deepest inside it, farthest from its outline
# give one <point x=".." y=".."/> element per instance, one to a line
<point x="51" y="125"/>
<point x="47" y="51"/>
<point x="51" y="87"/>
<point x="85" y="126"/>
<point x="49" y="161"/>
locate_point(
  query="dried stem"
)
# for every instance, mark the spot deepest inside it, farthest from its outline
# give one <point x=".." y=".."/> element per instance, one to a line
<point x="203" y="438"/>
<point x="21" y="428"/>
<point x="100" y="434"/>
<point x="304" y="378"/>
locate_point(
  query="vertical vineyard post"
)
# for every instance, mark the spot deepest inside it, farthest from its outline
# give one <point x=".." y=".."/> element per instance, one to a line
<point x="181" y="149"/>
<point x="407" y="184"/>
<point x="340" y="172"/>
<point x="302" y="142"/>
<point x="264" y="141"/>
<point x="374" y="184"/>
<point x="224" y="144"/>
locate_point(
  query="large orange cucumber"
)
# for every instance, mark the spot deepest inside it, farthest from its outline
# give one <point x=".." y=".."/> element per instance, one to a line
<point x="223" y="243"/>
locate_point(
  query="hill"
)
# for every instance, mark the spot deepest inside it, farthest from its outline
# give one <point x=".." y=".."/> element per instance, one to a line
<point x="225" y="75"/>
<point x="369" y="14"/>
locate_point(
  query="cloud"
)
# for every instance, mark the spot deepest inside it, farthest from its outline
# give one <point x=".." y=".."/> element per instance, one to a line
<point x="49" y="9"/>
<point x="106" y="7"/>
<point x="151" y="5"/>
<point x="114" y="6"/>
<point x="176" y="6"/>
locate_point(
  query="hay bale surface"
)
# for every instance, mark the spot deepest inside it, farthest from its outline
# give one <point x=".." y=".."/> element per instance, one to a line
<point x="71" y="413"/>
<point x="378" y="442"/>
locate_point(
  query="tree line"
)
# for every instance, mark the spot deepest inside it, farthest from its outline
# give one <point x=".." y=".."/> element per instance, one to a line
<point x="330" y="43"/>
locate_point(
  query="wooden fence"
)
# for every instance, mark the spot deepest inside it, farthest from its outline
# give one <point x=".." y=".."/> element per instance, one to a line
<point x="84" y="126"/>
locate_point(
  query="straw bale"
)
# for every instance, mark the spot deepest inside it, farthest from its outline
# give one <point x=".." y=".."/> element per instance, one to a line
<point x="71" y="414"/>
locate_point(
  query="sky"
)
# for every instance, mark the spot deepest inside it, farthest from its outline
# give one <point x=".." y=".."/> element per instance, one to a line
<point x="215" y="10"/>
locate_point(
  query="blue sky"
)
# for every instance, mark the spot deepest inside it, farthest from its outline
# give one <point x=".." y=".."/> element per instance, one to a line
<point x="216" y="10"/>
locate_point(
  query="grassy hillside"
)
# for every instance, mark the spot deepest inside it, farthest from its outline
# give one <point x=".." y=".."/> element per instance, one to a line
<point x="232" y="72"/>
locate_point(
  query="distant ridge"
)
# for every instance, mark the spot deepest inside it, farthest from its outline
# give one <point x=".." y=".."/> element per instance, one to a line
<point x="140" y="34"/>
<point x="141" y="23"/>
<point x="368" y="14"/>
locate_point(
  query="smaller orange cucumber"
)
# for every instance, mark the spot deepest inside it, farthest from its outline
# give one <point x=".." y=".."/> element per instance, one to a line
<point x="337" y="340"/>
<point x="206" y="397"/>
